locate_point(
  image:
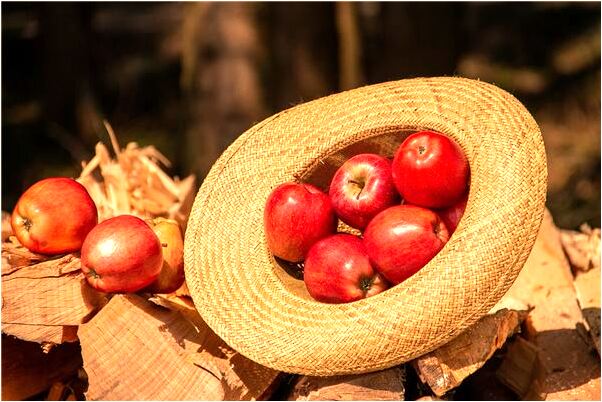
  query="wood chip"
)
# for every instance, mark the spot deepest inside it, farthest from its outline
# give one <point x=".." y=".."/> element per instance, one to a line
<point x="569" y="370"/>
<point x="183" y="290"/>
<point x="181" y="211"/>
<point x="134" y="183"/>
<point x="587" y="285"/>
<point x="133" y="349"/>
<point x="7" y="229"/>
<point x="582" y="248"/>
<point x="183" y="304"/>
<point x="113" y="138"/>
<point x="27" y="370"/>
<point x="446" y="367"/>
<point x="386" y="385"/>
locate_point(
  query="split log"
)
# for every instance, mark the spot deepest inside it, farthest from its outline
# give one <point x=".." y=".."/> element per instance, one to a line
<point x="518" y="368"/>
<point x="44" y="301"/>
<point x="253" y="380"/>
<point x="27" y="370"/>
<point x="587" y="285"/>
<point x="446" y="367"/>
<point x="582" y="248"/>
<point x="568" y="370"/>
<point x="483" y="385"/>
<point x="15" y="256"/>
<point x="386" y="385"/>
<point x="133" y="349"/>
<point x="46" y="335"/>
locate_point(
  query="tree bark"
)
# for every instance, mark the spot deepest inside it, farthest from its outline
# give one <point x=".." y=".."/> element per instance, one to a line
<point x="220" y="78"/>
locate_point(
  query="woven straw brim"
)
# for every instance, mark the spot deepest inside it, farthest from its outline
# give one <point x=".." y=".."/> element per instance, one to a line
<point x="267" y="315"/>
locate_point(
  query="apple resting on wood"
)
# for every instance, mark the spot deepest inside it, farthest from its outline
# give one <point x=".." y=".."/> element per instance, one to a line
<point x="361" y="188"/>
<point x="295" y="217"/>
<point x="121" y="254"/>
<point x="172" y="272"/>
<point x="403" y="239"/>
<point x="338" y="270"/>
<point x="53" y="216"/>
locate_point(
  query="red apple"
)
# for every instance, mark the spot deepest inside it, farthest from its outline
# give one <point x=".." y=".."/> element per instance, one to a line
<point x="451" y="216"/>
<point x="361" y="188"/>
<point x="121" y="254"/>
<point x="430" y="170"/>
<point x="53" y="216"/>
<point x="338" y="270"/>
<point x="402" y="239"/>
<point x="295" y="217"/>
<point x="172" y="272"/>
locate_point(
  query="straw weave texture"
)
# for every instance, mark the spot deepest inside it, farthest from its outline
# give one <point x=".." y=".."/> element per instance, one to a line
<point x="265" y="314"/>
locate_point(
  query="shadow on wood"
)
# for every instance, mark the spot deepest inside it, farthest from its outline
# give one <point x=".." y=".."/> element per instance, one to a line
<point x="27" y="370"/>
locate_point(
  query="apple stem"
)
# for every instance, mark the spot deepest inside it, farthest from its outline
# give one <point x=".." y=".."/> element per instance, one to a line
<point x="366" y="284"/>
<point x="421" y="149"/>
<point x="360" y="185"/>
<point x="163" y="244"/>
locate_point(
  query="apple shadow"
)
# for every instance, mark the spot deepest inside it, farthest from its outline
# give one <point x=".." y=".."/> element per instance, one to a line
<point x="291" y="275"/>
<point x="294" y="269"/>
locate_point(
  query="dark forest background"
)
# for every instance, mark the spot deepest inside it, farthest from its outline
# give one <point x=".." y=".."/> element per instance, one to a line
<point x="191" y="77"/>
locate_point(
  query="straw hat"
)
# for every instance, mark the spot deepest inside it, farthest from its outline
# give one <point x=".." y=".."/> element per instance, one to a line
<point x="260" y="310"/>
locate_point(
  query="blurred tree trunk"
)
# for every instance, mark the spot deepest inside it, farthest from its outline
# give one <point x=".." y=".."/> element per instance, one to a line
<point x="221" y="58"/>
<point x="350" y="46"/>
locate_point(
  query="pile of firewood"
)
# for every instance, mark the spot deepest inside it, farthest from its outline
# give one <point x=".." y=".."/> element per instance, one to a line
<point x="63" y="340"/>
<point x="540" y="342"/>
